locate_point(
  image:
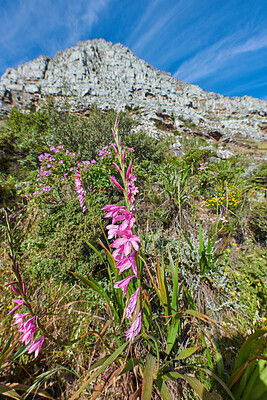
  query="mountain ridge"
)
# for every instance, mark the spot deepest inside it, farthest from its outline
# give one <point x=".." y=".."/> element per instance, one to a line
<point x="111" y="76"/>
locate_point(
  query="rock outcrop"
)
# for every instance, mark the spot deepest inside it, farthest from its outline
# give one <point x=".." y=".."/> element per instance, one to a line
<point x="111" y="76"/>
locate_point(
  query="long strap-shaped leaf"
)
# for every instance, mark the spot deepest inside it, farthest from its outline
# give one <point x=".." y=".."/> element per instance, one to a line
<point x="228" y="391"/>
<point x="7" y="391"/>
<point x="108" y="361"/>
<point x="149" y="369"/>
<point x="244" y="352"/>
<point x="195" y="384"/>
<point x="162" y="387"/>
<point x="93" y="284"/>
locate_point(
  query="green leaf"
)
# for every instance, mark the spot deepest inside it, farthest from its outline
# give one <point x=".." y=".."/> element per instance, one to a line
<point x="201" y="243"/>
<point x="185" y="353"/>
<point x="172" y="335"/>
<point x="21" y="351"/>
<point x="219" y="362"/>
<point x="7" y="391"/>
<point x="131" y="363"/>
<point x="189" y="298"/>
<point x="94" y="285"/>
<point x="206" y="349"/>
<point x="95" y="250"/>
<point x="260" y="388"/>
<point x="25" y="388"/>
<point x="149" y="369"/>
<point x="198" y="387"/>
<point x="175" y="281"/>
<point x="259" y="375"/>
<point x="106" y="363"/>
<point x="200" y="316"/>
<point x="228" y="391"/>
<point x="245" y="350"/>
<point x="162" y="387"/>
<point x="188" y="241"/>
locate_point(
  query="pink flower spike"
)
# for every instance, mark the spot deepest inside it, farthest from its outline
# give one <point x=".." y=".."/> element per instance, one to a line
<point x="117" y="168"/>
<point x="27" y="336"/>
<point x="19" y="318"/>
<point x="124" y="284"/>
<point x="127" y="262"/>
<point x="116" y="183"/>
<point x="131" y="308"/>
<point x="19" y="304"/>
<point x="36" y="346"/>
<point x="128" y="171"/>
<point x="135" y="328"/>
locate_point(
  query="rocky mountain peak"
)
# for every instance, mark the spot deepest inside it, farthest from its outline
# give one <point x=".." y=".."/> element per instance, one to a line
<point x="111" y="76"/>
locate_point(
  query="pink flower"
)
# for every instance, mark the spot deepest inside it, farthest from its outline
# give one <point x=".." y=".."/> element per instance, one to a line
<point x="127" y="262"/>
<point x="223" y="219"/>
<point x="117" y="168"/>
<point x="19" y="304"/>
<point x="28" y="328"/>
<point x="131" y="308"/>
<point x="113" y="179"/>
<point x="60" y="162"/>
<point x="127" y="217"/>
<point x="113" y="211"/>
<point x="52" y="148"/>
<point x="115" y="230"/>
<point x="135" y="328"/>
<point x="36" y="346"/>
<point x="123" y="284"/>
<point x="19" y="318"/>
<point x="126" y="243"/>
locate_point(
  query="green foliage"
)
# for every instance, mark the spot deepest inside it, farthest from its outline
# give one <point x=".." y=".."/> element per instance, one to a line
<point x="258" y="221"/>
<point x="195" y="156"/>
<point x="146" y="147"/>
<point x="259" y="180"/>
<point x="56" y="247"/>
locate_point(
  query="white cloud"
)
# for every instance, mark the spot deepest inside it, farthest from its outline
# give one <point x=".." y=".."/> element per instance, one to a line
<point x="215" y="57"/>
<point x="154" y="25"/>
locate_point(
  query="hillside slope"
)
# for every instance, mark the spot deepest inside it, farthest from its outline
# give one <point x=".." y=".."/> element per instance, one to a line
<point x="111" y="76"/>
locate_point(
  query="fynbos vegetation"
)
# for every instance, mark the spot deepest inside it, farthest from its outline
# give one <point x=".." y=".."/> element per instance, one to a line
<point x="128" y="272"/>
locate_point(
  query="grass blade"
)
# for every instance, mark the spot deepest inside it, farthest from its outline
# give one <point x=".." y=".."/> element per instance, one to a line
<point x="106" y="363"/>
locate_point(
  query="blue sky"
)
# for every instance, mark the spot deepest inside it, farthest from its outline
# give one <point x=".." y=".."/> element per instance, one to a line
<point x="220" y="45"/>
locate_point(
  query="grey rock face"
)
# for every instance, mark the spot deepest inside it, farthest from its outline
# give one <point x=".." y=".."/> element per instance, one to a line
<point x="111" y="76"/>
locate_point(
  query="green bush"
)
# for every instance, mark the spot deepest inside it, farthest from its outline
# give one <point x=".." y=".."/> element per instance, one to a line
<point x="57" y="244"/>
<point x="258" y="221"/>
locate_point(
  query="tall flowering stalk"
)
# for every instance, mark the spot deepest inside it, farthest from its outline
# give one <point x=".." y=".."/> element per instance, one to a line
<point x="126" y="243"/>
<point x="27" y="323"/>
<point x="26" y="326"/>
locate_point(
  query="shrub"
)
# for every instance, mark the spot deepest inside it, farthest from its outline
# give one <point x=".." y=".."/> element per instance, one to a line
<point x="57" y="244"/>
<point x="258" y="221"/>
